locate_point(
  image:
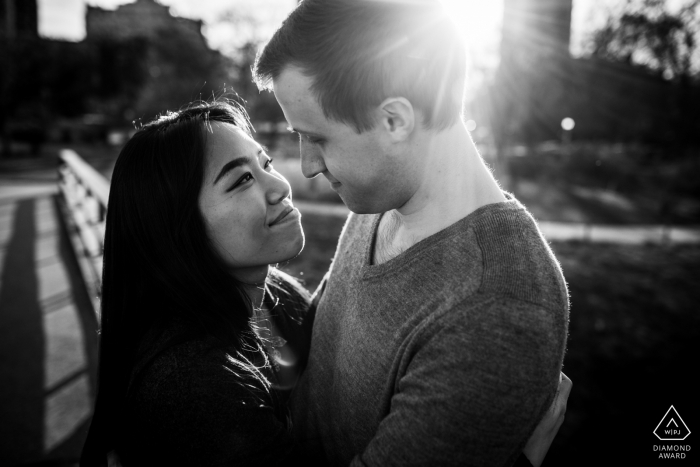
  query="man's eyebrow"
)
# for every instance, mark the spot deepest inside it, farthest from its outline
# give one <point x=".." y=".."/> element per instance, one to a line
<point x="230" y="165"/>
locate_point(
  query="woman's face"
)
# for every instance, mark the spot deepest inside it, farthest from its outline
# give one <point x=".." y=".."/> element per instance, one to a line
<point x="246" y="205"/>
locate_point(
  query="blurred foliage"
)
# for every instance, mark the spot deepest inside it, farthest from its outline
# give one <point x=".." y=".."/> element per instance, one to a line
<point x="646" y="33"/>
<point x="118" y="71"/>
<point x="609" y="183"/>
<point x="639" y="85"/>
<point x="262" y="106"/>
<point x="176" y="71"/>
<point x="627" y="168"/>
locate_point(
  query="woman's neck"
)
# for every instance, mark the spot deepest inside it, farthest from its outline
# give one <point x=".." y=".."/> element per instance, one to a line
<point x="253" y="283"/>
<point x="256" y="292"/>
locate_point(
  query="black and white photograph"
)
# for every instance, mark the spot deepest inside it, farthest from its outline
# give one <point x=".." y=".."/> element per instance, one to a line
<point x="355" y="233"/>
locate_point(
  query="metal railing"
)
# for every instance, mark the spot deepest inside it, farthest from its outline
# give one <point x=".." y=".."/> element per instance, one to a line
<point x="84" y="193"/>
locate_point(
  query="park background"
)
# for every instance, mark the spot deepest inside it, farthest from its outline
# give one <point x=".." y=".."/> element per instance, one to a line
<point x="587" y="110"/>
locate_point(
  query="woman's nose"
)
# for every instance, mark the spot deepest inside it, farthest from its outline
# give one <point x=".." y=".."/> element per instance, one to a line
<point x="278" y="188"/>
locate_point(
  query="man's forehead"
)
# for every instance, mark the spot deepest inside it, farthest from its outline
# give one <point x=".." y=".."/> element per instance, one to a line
<point x="292" y="84"/>
<point x="300" y="105"/>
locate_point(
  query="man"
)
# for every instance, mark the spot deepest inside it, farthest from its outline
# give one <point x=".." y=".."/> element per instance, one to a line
<point x="440" y="333"/>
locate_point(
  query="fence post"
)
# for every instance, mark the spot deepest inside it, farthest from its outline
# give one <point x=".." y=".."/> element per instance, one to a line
<point x="84" y="193"/>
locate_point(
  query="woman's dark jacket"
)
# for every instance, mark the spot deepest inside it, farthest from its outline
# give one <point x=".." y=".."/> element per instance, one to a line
<point x="192" y="402"/>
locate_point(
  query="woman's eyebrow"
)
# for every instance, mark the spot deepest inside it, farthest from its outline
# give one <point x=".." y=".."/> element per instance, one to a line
<point x="229" y="166"/>
<point x="237" y="162"/>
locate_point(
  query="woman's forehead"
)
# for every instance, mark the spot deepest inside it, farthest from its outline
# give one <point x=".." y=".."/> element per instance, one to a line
<point x="225" y="139"/>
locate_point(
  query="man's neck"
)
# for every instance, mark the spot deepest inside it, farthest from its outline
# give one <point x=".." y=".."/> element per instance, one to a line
<point x="455" y="182"/>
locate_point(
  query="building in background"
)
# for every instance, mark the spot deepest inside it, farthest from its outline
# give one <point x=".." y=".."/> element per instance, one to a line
<point x="18" y="18"/>
<point x="134" y="62"/>
<point x="142" y="18"/>
<point x="168" y="57"/>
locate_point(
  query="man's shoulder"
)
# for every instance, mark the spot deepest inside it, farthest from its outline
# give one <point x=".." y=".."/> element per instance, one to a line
<point x="497" y="250"/>
<point x="517" y="261"/>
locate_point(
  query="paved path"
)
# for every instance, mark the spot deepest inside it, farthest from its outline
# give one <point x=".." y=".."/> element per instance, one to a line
<point x="47" y="331"/>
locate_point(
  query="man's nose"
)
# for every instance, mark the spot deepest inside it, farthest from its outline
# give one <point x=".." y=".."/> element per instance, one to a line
<point x="311" y="160"/>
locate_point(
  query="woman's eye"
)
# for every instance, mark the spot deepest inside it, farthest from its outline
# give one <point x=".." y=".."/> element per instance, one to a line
<point x="244" y="179"/>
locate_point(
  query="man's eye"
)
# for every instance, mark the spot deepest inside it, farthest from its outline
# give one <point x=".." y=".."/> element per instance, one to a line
<point x="308" y="139"/>
<point x="268" y="163"/>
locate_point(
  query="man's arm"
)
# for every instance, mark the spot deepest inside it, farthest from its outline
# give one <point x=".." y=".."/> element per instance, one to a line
<point x="473" y="388"/>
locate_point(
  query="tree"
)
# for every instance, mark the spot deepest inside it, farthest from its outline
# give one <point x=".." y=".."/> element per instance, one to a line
<point x="647" y="34"/>
<point x="178" y="70"/>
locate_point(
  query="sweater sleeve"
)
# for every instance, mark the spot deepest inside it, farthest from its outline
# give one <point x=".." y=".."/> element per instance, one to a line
<point x="204" y="413"/>
<point x="473" y="385"/>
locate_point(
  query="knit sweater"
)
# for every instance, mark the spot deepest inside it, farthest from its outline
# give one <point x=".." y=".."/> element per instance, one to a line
<point x="447" y="354"/>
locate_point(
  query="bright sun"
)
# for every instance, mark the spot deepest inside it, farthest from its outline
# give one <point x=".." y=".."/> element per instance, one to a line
<point x="479" y="21"/>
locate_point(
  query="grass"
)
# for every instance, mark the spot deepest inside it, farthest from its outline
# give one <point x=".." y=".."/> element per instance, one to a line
<point x="634" y="334"/>
<point x="634" y="330"/>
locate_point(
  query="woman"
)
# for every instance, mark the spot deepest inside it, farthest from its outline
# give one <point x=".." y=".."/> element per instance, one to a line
<point x="196" y="215"/>
<point x="201" y="339"/>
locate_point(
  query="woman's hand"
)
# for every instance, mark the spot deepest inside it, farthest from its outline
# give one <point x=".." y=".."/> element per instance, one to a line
<point x="538" y="444"/>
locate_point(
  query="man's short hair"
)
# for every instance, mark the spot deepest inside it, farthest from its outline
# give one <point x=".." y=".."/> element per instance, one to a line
<point x="360" y="52"/>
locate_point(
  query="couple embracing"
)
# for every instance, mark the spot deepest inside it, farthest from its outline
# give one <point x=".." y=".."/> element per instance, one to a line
<point x="437" y="335"/>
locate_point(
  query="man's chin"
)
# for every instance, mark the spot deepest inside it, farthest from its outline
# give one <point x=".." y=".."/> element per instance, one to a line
<point x="359" y="207"/>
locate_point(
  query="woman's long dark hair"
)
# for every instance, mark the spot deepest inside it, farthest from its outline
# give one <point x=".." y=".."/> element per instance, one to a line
<point x="158" y="262"/>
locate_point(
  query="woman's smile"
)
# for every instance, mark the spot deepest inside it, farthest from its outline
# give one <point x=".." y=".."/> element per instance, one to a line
<point x="290" y="213"/>
<point x="247" y="205"/>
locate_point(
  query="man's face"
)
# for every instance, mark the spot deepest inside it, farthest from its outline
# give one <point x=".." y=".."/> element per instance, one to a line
<point x="358" y="166"/>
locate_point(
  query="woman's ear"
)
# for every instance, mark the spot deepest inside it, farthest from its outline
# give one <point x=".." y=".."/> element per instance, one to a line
<point x="397" y="118"/>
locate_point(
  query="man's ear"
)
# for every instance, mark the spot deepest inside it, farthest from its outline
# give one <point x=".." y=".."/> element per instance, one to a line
<point x="397" y="117"/>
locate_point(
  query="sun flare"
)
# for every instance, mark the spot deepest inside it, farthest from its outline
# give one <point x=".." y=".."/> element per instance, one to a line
<point x="479" y="21"/>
